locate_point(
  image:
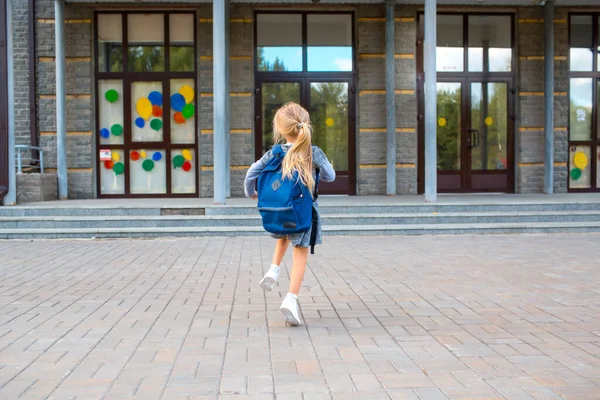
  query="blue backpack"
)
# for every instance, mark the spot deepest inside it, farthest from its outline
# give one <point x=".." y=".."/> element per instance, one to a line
<point x="286" y="205"/>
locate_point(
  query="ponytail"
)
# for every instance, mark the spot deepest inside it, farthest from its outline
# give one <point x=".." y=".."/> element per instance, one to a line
<point x="299" y="157"/>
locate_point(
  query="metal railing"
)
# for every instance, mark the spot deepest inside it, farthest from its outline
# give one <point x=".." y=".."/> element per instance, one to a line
<point x="40" y="151"/>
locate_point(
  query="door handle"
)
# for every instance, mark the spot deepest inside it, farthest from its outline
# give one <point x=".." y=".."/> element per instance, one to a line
<point x="474" y="139"/>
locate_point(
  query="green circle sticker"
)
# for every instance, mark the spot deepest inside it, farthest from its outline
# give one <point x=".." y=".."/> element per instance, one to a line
<point x="116" y="129"/>
<point x="178" y="161"/>
<point x="119" y="168"/>
<point x="188" y="111"/>
<point x="148" y="165"/>
<point x="156" y="124"/>
<point x="111" y="95"/>
<point x="575" y="174"/>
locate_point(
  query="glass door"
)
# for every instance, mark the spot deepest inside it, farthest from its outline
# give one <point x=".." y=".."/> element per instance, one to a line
<point x="473" y="134"/>
<point x="488" y="136"/>
<point x="332" y="119"/>
<point x="450" y="137"/>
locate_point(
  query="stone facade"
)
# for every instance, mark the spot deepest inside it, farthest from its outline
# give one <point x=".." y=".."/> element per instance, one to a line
<point x="530" y="103"/>
<point x="370" y="79"/>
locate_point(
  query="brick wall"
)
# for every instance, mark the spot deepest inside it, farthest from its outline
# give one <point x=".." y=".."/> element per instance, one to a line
<point x="371" y="130"/>
<point x="530" y="103"/>
<point x="20" y="17"/>
<point x="371" y="100"/>
<point x="78" y="49"/>
<point x="241" y="86"/>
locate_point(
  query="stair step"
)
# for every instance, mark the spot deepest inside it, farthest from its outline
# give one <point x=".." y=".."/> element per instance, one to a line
<point x="410" y="229"/>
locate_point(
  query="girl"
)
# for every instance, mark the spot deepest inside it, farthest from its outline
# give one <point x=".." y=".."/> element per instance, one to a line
<point x="292" y="129"/>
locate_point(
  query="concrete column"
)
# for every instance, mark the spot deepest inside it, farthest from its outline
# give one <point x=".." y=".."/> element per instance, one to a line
<point x="390" y="95"/>
<point x="10" y="199"/>
<point x="429" y="56"/>
<point x="549" y="97"/>
<point x="221" y="100"/>
<point x="61" y="99"/>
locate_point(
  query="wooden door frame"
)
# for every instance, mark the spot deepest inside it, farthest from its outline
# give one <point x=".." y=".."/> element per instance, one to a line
<point x="468" y="77"/>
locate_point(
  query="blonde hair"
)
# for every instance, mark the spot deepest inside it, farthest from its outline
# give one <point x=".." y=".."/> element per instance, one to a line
<point x="292" y="123"/>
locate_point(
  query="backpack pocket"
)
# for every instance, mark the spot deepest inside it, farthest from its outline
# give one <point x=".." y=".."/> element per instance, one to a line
<point x="282" y="220"/>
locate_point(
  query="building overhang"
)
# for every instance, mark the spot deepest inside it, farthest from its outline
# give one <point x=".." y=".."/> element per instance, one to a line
<point x="571" y="3"/>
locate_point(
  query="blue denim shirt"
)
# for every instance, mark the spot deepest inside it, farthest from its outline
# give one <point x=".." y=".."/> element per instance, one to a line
<point x="326" y="171"/>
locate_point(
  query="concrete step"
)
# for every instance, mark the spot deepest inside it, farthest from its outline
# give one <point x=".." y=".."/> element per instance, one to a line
<point x="343" y="230"/>
<point x="24" y="211"/>
<point x="154" y="221"/>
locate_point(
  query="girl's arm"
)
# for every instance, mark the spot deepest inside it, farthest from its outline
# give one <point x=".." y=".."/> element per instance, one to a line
<point x="253" y="173"/>
<point x="327" y="173"/>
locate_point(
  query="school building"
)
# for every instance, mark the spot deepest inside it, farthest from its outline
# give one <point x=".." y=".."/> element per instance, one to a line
<point x="137" y="98"/>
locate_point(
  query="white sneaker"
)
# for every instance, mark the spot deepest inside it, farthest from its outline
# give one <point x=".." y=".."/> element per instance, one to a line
<point x="291" y="311"/>
<point x="270" y="278"/>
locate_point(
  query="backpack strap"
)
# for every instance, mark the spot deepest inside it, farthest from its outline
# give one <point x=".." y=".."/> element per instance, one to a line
<point x="315" y="216"/>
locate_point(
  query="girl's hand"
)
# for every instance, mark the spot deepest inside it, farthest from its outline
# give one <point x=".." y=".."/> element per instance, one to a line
<point x="254" y="196"/>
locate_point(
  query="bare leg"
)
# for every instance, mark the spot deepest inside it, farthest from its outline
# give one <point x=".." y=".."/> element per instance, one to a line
<point x="298" y="269"/>
<point x="280" y="248"/>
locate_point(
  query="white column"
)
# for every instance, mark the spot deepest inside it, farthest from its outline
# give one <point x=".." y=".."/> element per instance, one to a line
<point x="430" y="101"/>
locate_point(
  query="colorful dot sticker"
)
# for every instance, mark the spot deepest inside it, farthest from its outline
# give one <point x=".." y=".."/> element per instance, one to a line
<point x="187" y="166"/>
<point x="178" y="161"/>
<point x="148" y="165"/>
<point x="115" y="156"/>
<point x="111" y="95"/>
<point x="156" y="111"/>
<point x="140" y="122"/>
<point x="144" y="108"/>
<point x="155" y="98"/>
<point x="576" y="174"/>
<point x="489" y="121"/>
<point x="187" y="154"/>
<point x="116" y="129"/>
<point x="329" y="121"/>
<point x="108" y="164"/>
<point x="156" y="124"/>
<point x="119" y="168"/>
<point x="442" y="121"/>
<point x="188" y="93"/>
<point x="157" y="156"/>
<point x="580" y="160"/>
<point x="105" y="133"/>
<point x="134" y="155"/>
<point x="143" y="153"/>
<point x="177" y="102"/>
<point x="179" y="118"/>
<point x="188" y="111"/>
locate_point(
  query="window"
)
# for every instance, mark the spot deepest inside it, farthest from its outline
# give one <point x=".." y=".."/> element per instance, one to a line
<point x="281" y="46"/>
<point x="584" y="89"/>
<point x="487" y="41"/>
<point x="146" y="124"/>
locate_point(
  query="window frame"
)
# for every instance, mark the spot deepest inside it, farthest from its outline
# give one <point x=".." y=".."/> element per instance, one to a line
<point x="127" y="78"/>
<point x="594" y="142"/>
<point x="305" y="72"/>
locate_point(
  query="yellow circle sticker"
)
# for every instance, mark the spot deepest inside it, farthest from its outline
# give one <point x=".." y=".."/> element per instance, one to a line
<point x="187" y="155"/>
<point x="329" y="121"/>
<point x="442" y="121"/>
<point x="142" y="154"/>
<point x="115" y="156"/>
<point x="580" y="160"/>
<point x="144" y="108"/>
<point x="489" y="121"/>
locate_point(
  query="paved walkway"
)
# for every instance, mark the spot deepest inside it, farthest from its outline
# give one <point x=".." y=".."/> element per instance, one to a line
<point x="461" y="317"/>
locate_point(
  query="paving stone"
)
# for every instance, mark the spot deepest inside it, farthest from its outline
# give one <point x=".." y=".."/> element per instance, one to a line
<point x="387" y="317"/>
